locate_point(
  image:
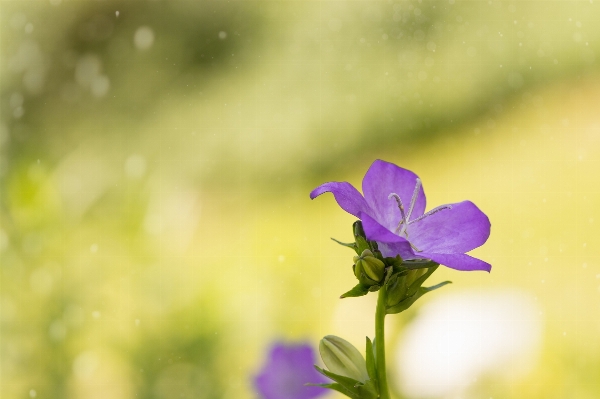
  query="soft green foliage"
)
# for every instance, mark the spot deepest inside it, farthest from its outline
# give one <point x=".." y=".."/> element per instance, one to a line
<point x="167" y="217"/>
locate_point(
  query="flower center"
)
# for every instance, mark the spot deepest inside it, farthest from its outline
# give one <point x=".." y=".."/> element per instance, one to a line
<point x="405" y="221"/>
<point x="405" y="218"/>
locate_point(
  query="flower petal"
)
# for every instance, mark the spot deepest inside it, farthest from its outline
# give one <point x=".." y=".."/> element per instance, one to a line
<point x="347" y="197"/>
<point x="458" y="229"/>
<point x="287" y="370"/>
<point x="384" y="178"/>
<point x="390" y="244"/>
<point x="462" y="262"/>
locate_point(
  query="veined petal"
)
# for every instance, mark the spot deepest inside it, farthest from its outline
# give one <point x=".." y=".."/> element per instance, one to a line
<point x="390" y="244"/>
<point x="457" y="229"/>
<point x="384" y="178"/>
<point x="462" y="262"/>
<point x="347" y="197"/>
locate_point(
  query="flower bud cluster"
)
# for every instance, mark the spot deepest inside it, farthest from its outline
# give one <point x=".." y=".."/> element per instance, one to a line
<point x="403" y="278"/>
<point x="368" y="269"/>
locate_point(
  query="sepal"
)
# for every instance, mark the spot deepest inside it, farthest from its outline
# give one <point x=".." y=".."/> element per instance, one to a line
<point x="409" y="301"/>
<point x="347" y="386"/>
<point x="358" y="290"/>
<point x="404" y="288"/>
<point x="345" y="244"/>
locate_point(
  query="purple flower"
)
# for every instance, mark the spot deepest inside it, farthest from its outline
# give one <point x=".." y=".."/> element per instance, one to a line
<point x="443" y="234"/>
<point x="287" y="369"/>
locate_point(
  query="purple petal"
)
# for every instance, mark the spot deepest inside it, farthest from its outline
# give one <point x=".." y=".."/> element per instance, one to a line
<point x="451" y="231"/>
<point x="390" y="244"/>
<point x="462" y="262"/>
<point x="384" y="178"/>
<point x="288" y="368"/>
<point x="348" y="198"/>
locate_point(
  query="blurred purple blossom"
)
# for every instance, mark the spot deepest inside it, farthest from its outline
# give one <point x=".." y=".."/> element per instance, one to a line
<point x="286" y="371"/>
<point x="393" y="214"/>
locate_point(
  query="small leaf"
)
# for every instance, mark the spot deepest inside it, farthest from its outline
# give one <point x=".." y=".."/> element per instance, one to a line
<point x="435" y="287"/>
<point x="419" y="263"/>
<point x="374" y="288"/>
<point x="336" y="387"/>
<point x="388" y="273"/>
<point x="361" y="245"/>
<point x="395" y="262"/>
<point x="368" y="390"/>
<point x="358" y="290"/>
<point x="419" y="282"/>
<point x="393" y="280"/>
<point x="405" y="304"/>
<point x="375" y="249"/>
<point x="346" y="382"/>
<point x="408" y="302"/>
<point x="349" y="245"/>
<point x="371" y="366"/>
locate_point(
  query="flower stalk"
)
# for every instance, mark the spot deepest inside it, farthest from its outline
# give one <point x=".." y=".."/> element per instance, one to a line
<point x="380" y="313"/>
<point x="397" y="250"/>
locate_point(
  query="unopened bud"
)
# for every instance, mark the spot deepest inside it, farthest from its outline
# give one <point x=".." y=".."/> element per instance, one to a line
<point x="342" y="358"/>
<point x="368" y="269"/>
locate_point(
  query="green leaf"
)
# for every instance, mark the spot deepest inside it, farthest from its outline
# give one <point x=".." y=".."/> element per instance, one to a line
<point x="419" y="282"/>
<point x="435" y="287"/>
<point x="405" y="304"/>
<point x="336" y="387"/>
<point x="368" y="390"/>
<point x="418" y="263"/>
<point x="371" y="366"/>
<point x="395" y="262"/>
<point x="388" y="273"/>
<point x="349" y="245"/>
<point x="389" y="282"/>
<point x="348" y="386"/>
<point x="408" y="302"/>
<point x="374" y="288"/>
<point x="375" y="249"/>
<point x="358" y="290"/>
<point x="361" y="245"/>
<point x="346" y="382"/>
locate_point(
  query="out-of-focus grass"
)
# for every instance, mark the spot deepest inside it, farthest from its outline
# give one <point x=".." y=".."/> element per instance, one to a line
<point x="155" y="239"/>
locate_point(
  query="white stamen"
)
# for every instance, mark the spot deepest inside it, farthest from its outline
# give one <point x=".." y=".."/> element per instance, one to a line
<point x="401" y="207"/>
<point x="412" y="205"/>
<point x="413" y="199"/>
<point x="431" y="212"/>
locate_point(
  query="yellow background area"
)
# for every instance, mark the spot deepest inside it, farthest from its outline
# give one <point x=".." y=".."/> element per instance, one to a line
<point x="156" y="159"/>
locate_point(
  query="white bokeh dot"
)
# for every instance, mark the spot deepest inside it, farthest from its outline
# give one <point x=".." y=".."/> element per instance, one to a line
<point x="143" y="38"/>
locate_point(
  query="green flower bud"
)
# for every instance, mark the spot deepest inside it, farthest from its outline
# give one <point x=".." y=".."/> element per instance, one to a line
<point x="342" y="358"/>
<point x="357" y="229"/>
<point x="368" y="269"/>
<point x="406" y="287"/>
<point x="396" y="291"/>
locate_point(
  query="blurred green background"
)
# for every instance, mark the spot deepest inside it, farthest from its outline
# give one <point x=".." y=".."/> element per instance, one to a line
<point x="156" y="158"/>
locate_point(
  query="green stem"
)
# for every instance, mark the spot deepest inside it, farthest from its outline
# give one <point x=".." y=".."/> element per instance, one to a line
<point x="380" y="343"/>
